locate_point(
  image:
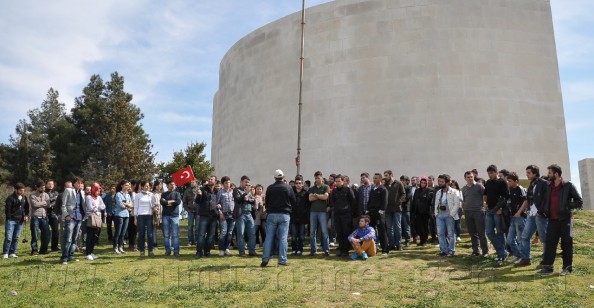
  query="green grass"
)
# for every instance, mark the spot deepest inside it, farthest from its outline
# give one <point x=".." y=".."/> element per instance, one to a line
<point x="412" y="278"/>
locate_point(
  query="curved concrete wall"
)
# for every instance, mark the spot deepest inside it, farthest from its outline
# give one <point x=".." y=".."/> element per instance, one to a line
<point x="416" y="86"/>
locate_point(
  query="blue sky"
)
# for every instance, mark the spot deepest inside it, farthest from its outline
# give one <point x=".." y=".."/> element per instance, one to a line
<point x="169" y="54"/>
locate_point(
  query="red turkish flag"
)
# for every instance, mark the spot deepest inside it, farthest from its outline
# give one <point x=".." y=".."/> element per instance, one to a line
<point x="183" y="176"/>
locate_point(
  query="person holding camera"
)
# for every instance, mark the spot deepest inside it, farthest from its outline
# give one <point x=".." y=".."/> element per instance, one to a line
<point x="226" y="204"/>
<point x="244" y="219"/>
<point x="447" y="203"/>
<point x="206" y="204"/>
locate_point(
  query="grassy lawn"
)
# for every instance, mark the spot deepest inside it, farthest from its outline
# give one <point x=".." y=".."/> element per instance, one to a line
<point x="411" y="278"/>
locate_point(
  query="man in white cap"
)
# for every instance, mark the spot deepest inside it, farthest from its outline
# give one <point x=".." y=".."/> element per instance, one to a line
<point x="280" y="199"/>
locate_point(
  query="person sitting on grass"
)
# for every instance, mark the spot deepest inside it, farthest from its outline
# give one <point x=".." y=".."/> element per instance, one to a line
<point x="363" y="239"/>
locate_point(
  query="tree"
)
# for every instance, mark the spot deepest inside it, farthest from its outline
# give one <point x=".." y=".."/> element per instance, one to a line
<point x="42" y="121"/>
<point x="111" y="138"/>
<point x="102" y="139"/>
<point x="192" y="156"/>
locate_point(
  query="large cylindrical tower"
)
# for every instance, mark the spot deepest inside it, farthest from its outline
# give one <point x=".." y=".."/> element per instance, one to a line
<point x="416" y="86"/>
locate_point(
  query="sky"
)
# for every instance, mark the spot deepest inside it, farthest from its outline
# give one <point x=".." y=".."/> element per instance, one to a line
<point x="169" y="54"/>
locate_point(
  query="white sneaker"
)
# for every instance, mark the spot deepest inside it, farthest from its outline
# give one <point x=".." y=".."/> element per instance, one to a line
<point x="458" y="239"/>
<point x="5" y="256"/>
<point x="64" y="262"/>
<point x="116" y="252"/>
<point x="332" y="244"/>
<point x="227" y="252"/>
<point x="12" y="255"/>
<point x="94" y="256"/>
<point x="516" y="260"/>
<point x="122" y="250"/>
<point x="90" y="257"/>
<point x="221" y="253"/>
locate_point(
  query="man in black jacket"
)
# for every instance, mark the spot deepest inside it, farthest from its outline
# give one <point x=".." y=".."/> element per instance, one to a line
<point x="396" y="197"/>
<point x="206" y="203"/>
<point x="537" y="198"/>
<point x="190" y="207"/>
<point x="245" y="221"/>
<point x="17" y="210"/>
<point x="343" y="202"/>
<point x="280" y="200"/>
<point x="299" y="216"/>
<point x="378" y="201"/>
<point x="564" y="198"/>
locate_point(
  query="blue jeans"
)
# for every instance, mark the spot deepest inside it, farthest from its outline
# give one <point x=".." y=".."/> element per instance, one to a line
<point x="226" y="232"/>
<point x="394" y="228"/>
<point x="445" y="223"/>
<point x="297" y="236"/>
<point x="12" y="231"/>
<point x="145" y="226"/>
<point x="171" y="233"/>
<point x="533" y="223"/>
<point x="206" y="231"/>
<point x="71" y="230"/>
<point x="494" y="230"/>
<point x="192" y="226"/>
<point x="39" y="223"/>
<point x="514" y="235"/>
<point x="316" y="218"/>
<point x="406" y="226"/>
<point x="277" y="227"/>
<point x="121" y="225"/>
<point x="245" y="223"/>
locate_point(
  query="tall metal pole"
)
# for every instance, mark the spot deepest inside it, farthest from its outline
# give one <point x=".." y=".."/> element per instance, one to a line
<point x="298" y="158"/>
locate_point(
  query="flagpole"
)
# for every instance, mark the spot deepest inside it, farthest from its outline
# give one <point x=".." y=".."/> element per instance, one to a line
<point x="298" y="158"/>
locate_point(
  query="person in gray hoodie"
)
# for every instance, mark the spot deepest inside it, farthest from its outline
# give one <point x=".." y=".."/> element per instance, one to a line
<point x="40" y="202"/>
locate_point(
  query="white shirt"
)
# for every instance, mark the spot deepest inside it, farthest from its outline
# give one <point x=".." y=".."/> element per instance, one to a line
<point x="144" y="203"/>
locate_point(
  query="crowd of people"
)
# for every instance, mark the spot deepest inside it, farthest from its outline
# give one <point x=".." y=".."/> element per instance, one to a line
<point x="380" y="213"/>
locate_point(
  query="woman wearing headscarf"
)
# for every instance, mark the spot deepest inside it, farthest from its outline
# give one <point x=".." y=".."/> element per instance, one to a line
<point x="94" y="206"/>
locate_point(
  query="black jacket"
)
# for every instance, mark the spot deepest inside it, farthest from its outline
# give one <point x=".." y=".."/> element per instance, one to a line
<point x="378" y="199"/>
<point x="396" y="196"/>
<point x="539" y="193"/>
<point x="16" y="210"/>
<point x="280" y="198"/>
<point x="189" y="200"/>
<point x="53" y="198"/>
<point x="238" y="196"/>
<point x="422" y="201"/>
<point x="569" y="199"/>
<point x="300" y="212"/>
<point x="343" y="200"/>
<point x="206" y="203"/>
<point x="408" y="199"/>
